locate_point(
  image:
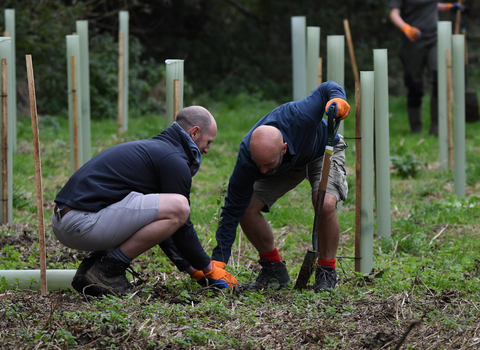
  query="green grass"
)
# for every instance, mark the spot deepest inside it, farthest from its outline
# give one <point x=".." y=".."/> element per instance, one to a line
<point x="432" y="256"/>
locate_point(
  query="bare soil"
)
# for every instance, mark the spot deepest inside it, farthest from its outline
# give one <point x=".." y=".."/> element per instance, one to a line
<point x="371" y="322"/>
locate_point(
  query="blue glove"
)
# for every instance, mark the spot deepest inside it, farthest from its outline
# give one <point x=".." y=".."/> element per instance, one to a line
<point x="454" y="7"/>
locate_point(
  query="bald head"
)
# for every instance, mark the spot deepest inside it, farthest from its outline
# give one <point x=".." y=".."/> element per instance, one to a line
<point x="267" y="148"/>
<point x="194" y="116"/>
<point x="199" y="123"/>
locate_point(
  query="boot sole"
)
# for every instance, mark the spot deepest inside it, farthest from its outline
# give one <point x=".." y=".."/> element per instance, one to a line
<point x="274" y="286"/>
<point x="84" y="286"/>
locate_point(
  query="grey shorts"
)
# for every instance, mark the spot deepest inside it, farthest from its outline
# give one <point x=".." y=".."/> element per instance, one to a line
<point x="107" y="228"/>
<point x="270" y="189"/>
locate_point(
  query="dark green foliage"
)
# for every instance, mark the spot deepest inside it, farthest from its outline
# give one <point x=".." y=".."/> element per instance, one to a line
<point x="145" y="79"/>
<point x="407" y="165"/>
<point x="229" y="46"/>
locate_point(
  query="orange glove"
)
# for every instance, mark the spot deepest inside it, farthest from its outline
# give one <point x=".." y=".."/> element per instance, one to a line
<point x="200" y="277"/>
<point x="220" y="264"/>
<point x="412" y="33"/>
<point x="342" y="108"/>
<point x="221" y="278"/>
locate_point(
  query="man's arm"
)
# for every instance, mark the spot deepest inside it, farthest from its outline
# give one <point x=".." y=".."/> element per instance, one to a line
<point x="174" y="255"/>
<point x="396" y="19"/>
<point x="239" y="194"/>
<point x="314" y="104"/>
<point x="412" y="33"/>
<point x="176" y="178"/>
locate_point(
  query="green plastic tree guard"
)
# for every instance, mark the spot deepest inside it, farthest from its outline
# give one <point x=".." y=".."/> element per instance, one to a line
<point x="444" y="42"/>
<point x="124" y="24"/>
<point x="366" y="221"/>
<point x="30" y="279"/>
<point x="12" y="114"/>
<point x="458" y="72"/>
<point x="82" y="32"/>
<point x="174" y="71"/>
<point x="336" y="63"/>
<point x="299" y="61"/>
<point x="6" y="52"/>
<point x="73" y="48"/>
<point x="382" y="142"/>
<point x="313" y="53"/>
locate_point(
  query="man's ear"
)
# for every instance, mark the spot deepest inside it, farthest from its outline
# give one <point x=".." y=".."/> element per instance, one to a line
<point x="284" y="148"/>
<point x="194" y="132"/>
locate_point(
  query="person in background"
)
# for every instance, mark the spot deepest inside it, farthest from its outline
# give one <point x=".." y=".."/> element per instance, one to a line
<point x="417" y="19"/>
<point x="133" y="196"/>
<point x="282" y="149"/>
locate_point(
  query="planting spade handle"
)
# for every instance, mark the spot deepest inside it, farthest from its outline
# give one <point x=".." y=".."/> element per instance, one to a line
<point x="332" y="127"/>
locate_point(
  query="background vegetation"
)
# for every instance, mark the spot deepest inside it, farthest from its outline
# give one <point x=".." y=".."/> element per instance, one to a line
<point x="426" y="276"/>
<point x="238" y="65"/>
<point x="229" y="46"/>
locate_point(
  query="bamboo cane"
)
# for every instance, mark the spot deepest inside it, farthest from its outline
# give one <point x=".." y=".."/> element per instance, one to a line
<point x="350" y="50"/>
<point x="239" y="248"/>
<point x="176" y="98"/>
<point x="358" y="176"/>
<point x="449" y="109"/>
<point x="4" y="142"/>
<point x="120" y="82"/>
<point x="38" y="174"/>
<point x="75" y="114"/>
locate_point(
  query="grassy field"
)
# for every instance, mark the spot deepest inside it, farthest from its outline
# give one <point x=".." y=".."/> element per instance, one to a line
<point x="425" y="279"/>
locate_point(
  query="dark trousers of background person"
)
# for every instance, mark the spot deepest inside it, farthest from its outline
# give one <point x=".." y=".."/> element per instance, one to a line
<point x="416" y="57"/>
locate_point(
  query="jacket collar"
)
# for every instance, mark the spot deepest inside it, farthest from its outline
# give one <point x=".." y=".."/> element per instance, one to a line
<point x="193" y="152"/>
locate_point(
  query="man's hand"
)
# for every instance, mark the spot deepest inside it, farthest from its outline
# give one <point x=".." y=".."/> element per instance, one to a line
<point x="221" y="278"/>
<point x="200" y="277"/>
<point x="412" y="33"/>
<point x="453" y="8"/>
<point x="342" y="108"/>
<point x="219" y="264"/>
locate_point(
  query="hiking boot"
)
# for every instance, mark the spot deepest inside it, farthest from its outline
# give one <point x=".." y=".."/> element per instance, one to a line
<point x="107" y="276"/>
<point x="325" y="278"/>
<point x="273" y="275"/>
<point x="79" y="282"/>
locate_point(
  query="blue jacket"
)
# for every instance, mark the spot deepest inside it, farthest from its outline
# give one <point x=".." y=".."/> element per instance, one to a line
<point x="305" y="132"/>
<point x="157" y="165"/>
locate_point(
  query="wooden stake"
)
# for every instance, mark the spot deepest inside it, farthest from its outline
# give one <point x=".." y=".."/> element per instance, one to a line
<point x="120" y="82"/>
<point x="38" y="174"/>
<point x="350" y="50"/>
<point x="4" y="142"/>
<point x="319" y="71"/>
<point x="449" y="109"/>
<point x="358" y="176"/>
<point x="176" y="98"/>
<point x="458" y="19"/>
<point x="75" y="114"/>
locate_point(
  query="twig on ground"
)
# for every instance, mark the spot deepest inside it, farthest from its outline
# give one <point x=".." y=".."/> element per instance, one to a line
<point x="402" y="339"/>
<point x="438" y="234"/>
